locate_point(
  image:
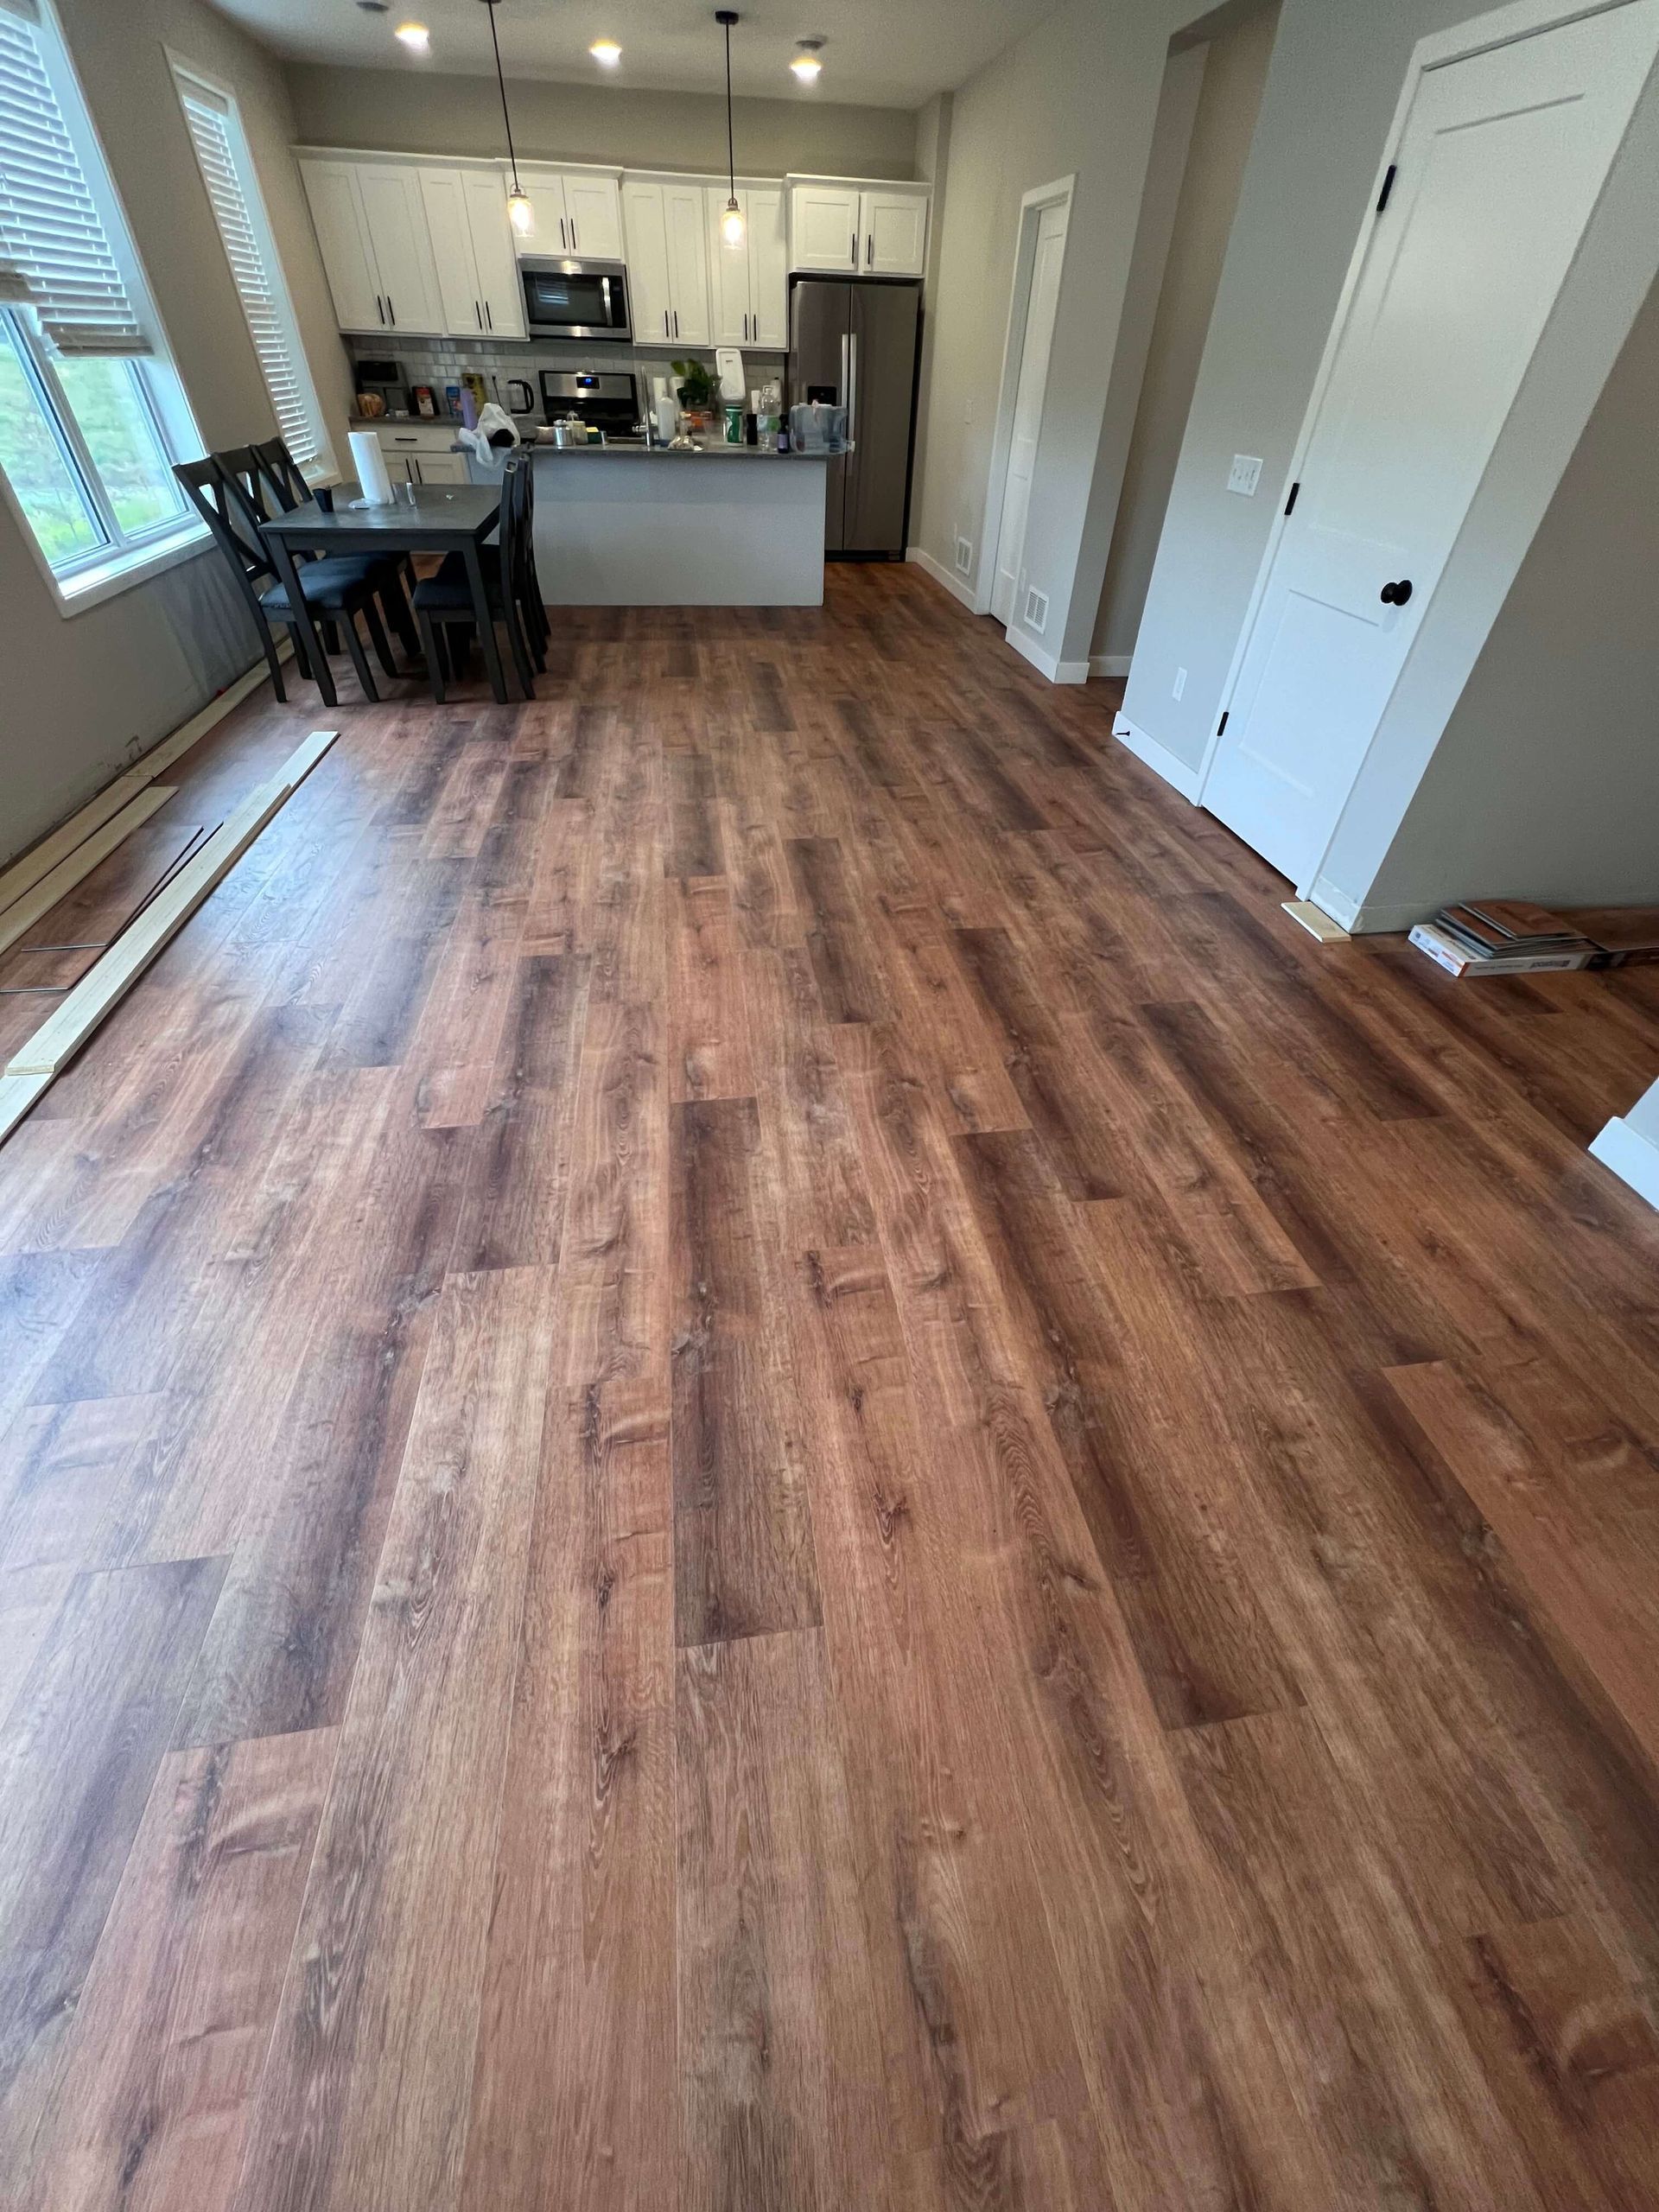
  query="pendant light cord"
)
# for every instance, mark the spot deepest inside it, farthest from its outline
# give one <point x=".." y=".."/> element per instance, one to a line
<point x="512" y="156"/>
<point x="731" y="151"/>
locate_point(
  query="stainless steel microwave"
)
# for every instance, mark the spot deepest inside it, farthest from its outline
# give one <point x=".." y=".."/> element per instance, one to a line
<point x="575" y="299"/>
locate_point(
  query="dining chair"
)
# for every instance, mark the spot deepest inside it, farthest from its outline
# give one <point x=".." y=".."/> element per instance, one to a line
<point x="443" y="602"/>
<point x="336" y="590"/>
<point x="283" y="479"/>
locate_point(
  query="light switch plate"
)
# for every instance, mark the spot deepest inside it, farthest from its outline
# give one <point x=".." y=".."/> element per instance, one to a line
<point x="1179" y="685"/>
<point x="1245" y="474"/>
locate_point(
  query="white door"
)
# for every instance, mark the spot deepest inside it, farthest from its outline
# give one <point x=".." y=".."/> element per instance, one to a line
<point x="728" y="267"/>
<point x="1029" y="392"/>
<point x="687" y="264"/>
<point x="768" y="268"/>
<point x="824" y="230"/>
<point x="652" y="300"/>
<point x="1500" y="163"/>
<point x="893" y="233"/>
<point x="500" y="295"/>
<point x="594" y="210"/>
<point x="343" y="242"/>
<point x="396" y="218"/>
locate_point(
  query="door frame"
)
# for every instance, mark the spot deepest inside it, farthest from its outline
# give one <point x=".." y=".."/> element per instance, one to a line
<point x="1032" y="205"/>
<point x="1479" y="33"/>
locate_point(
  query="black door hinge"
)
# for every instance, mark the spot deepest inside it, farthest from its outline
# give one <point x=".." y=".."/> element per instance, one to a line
<point x="1388" y="186"/>
<point x="1222" y="725"/>
<point x="1291" y="502"/>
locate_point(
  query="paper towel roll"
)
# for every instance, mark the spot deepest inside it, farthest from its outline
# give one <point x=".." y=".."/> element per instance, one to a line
<point x="370" y="466"/>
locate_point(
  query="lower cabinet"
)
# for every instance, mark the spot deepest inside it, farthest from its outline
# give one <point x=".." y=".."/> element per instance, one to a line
<point x="422" y="456"/>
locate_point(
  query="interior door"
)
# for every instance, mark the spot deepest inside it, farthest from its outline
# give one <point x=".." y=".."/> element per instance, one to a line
<point x="491" y="228"/>
<point x="648" y="279"/>
<point x="729" y="270"/>
<point x="884" y="332"/>
<point x="1029" y="392"/>
<point x="1499" y="166"/>
<point x="594" y="209"/>
<point x="343" y="242"/>
<point x="893" y="233"/>
<point x="768" y="267"/>
<point x="687" y="264"/>
<point x="823" y="226"/>
<point x="396" y="217"/>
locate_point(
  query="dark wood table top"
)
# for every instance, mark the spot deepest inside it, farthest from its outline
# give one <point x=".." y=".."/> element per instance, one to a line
<point x="442" y="515"/>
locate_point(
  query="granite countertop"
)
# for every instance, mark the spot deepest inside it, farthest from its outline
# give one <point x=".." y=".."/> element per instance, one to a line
<point x="717" y="449"/>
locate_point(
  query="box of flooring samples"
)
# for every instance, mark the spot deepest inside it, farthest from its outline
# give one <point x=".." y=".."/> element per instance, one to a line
<point x="1502" y="937"/>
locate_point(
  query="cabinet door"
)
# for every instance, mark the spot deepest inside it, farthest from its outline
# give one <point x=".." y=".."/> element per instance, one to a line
<point x="337" y="216"/>
<point x="443" y="468"/>
<point x="445" y="205"/>
<point x="893" y="233"/>
<point x="728" y="270"/>
<point x="688" y="263"/>
<point x="595" y="209"/>
<point x="768" y="268"/>
<point x="549" y="232"/>
<point x="396" y="218"/>
<point x="652" y="300"/>
<point x="500" y="293"/>
<point x="823" y="225"/>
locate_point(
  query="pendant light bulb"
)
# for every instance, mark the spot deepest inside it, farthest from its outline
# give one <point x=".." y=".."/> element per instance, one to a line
<point x="807" y="67"/>
<point x="520" y="213"/>
<point x="733" y="227"/>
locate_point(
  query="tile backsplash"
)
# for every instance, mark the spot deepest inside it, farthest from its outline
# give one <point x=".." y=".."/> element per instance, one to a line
<point x="441" y="361"/>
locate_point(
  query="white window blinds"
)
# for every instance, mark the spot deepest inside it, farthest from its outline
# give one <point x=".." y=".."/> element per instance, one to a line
<point x="215" y="132"/>
<point x="55" y="250"/>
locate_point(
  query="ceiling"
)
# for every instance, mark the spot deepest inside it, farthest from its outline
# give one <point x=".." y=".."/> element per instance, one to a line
<point x="879" y="52"/>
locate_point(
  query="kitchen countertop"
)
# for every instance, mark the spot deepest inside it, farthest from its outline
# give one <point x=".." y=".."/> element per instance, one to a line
<point x="714" y="450"/>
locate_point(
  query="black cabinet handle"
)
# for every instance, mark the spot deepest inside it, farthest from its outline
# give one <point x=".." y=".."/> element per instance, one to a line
<point x="1397" y="594"/>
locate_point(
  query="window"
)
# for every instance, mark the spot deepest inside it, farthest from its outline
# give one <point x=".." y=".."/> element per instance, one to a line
<point x="92" y="412"/>
<point x="227" y="170"/>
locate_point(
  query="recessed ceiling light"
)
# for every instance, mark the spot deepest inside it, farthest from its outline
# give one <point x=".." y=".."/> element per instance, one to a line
<point x="415" y="36"/>
<point x="606" y="52"/>
<point x="806" y="65"/>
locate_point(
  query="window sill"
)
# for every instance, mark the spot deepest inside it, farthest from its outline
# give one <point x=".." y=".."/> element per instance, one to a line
<point x="92" y="586"/>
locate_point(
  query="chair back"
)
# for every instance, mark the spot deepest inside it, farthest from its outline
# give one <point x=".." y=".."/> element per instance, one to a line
<point x="512" y="531"/>
<point x="222" y="504"/>
<point x="282" y="474"/>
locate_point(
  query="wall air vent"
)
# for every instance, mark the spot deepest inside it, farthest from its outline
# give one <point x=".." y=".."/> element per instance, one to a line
<point x="964" y="557"/>
<point x="1036" y="610"/>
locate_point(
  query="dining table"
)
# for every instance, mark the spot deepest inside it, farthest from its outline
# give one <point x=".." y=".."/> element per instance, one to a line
<point x="422" y="518"/>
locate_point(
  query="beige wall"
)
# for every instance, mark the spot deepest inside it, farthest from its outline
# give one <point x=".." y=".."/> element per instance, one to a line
<point x="401" y="110"/>
<point x="1078" y="96"/>
<point x="84" y="693"/>
<point x="1235" y="73"/>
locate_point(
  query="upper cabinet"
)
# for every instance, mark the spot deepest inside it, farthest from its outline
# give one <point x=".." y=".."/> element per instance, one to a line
<point x="371" y="230"/>
<point x="750" y="282"/>
<point x="472" y="248"/>
<point x="577" y="212"/>
<point x="857" y="229"/>
<point x="665" y="228"/>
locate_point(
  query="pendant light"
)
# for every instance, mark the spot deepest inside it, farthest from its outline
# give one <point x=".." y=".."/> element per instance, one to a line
<point x="732" y="228"/>
<point x="520" y="213"/>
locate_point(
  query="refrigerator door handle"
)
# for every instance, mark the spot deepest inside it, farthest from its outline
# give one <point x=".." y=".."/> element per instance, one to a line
<point x="846" y="368"/>
<point x="851" y="344"/>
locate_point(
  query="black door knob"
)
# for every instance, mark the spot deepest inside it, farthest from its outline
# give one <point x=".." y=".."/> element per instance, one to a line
<point x="1397" y="594"/>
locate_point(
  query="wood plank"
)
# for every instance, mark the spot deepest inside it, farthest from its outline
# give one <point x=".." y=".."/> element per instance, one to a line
<point x="156" y="2084"/>
<point x="709" y="1051"/>
<point x="35" y="904"/>
<point x="364" y="2098"/>
<point x="837" y="939"/>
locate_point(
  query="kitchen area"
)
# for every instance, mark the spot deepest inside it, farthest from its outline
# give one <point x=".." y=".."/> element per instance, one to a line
<point x="717" y="375"/>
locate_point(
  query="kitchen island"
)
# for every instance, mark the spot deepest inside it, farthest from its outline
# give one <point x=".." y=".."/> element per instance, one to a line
<point x="636" y="525"/>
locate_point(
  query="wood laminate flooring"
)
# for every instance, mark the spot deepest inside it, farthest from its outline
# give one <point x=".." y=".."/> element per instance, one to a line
<point x="755" y="1456"/>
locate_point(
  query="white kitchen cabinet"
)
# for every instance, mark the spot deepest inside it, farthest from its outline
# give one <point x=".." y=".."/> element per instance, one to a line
<point x="823" y="226"/>
<point x="871" y="230"/>
<point x="472" y="247"/>
<point x="577" y="211"/>
<point x="749" y="283"/>
<point x="665" y="225"/>
<point x="421" y="454"/>
<point x="371" y="230"/>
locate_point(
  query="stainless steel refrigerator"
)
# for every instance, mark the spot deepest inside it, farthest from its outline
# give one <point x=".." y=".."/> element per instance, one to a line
<point x="855" y="341"/>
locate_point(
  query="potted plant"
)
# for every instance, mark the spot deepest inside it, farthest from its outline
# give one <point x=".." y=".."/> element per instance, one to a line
<point x="695" y="393"/>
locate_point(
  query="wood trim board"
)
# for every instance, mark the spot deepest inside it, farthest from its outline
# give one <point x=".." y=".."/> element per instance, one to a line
<point x="17" y="919"/>
<point x="68" y="1027"/>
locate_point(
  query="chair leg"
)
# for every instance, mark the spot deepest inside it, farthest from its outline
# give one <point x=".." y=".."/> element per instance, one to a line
<point x="514" y="628"/>
<point x="377" y="637"/>
<point x="271" y="661"/>
<point x="395" y="600"/>
<point x="359" y="659"/>
<point x="437" y="658"/>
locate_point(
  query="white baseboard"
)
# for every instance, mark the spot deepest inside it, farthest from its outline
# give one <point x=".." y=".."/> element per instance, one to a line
<point x="1056" y="671"/>
<point x="956" y="586"/>
<point x="1631" y="1156"/>
<point x="1158" y="757"/>
<point x="1109" y="663"/>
